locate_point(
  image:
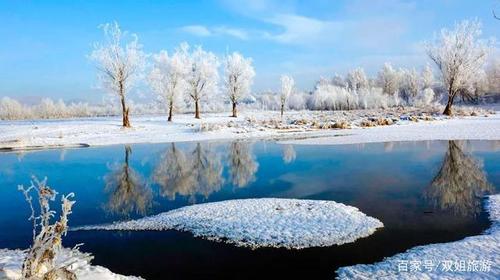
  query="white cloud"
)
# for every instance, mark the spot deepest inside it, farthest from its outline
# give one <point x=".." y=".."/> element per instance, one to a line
<point x="302" y="30"/>
<point x="197" y="30"/>
<point x="234" y="32"/>
<point x="204" y="31"/>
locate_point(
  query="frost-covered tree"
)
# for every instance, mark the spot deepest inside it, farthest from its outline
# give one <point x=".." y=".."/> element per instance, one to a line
<point x="120" y="63"/>
<point x="493" y="74"/>
<point x="203" y="77"/>
<point x="427" y="77"/>
<point x="388" y="79"/>
<point x="49" y="109"/>
<point x="478" y="88"/>
<point x="168" y="77"/>
<point x="238" y="78"/>
<point x="268" y="100"/>
<point x="11" y="109"/>
<point x="409" y="85"/>
<point x="339" y="81"/>
<point x="330" y="97"/>
<point x="424" y="98"/>
<point x="242" y="164"/>
<point x="459" y="55"/>
<point x="356" y="79"/>
<point x="287" y="84"/>
<point x="298" y="100"/>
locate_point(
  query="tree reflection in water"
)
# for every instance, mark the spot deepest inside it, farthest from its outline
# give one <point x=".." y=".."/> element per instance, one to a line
<point x="289" y="154"/>
<point x="242" y="164"/>
<point x="460" y="183"/>
<point x="173" y="173"/>
<point x="127" y="190"/>
<point x="189" y="174"/>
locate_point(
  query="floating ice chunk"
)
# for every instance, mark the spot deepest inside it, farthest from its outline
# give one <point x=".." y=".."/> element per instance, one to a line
<point x="264" y="222"/>
<point x="475" y="257"/>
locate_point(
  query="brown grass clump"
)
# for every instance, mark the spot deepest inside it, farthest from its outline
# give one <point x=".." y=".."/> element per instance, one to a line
<point x="341" y="125"/>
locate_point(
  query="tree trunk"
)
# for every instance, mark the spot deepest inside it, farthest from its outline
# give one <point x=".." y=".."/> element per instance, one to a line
<point x="125" y="111"/>
<point x="447" y="110"/>
<point x="170" y="112"/>
<point x="451" y="96"/>
<point x="282" y="109"/>
<point x="197" y="109"/>
<point x="128" y="150"/>
<point x="234" y="110"/>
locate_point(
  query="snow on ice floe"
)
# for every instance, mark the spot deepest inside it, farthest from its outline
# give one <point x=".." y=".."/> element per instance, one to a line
<point x="264" y="222"/>
<point x="11" y="262"/>
<point x="475" y="257"/>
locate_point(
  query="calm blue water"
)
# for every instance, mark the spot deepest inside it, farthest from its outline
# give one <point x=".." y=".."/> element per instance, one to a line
<point x="423" y="192"/>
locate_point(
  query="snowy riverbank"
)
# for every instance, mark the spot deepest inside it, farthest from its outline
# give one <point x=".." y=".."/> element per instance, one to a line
<point x="460" y="128"/>
<point x="263" y="222"/>
<point x="394" y="124"/>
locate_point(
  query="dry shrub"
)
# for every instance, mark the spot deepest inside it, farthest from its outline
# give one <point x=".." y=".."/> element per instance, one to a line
<point x="40" y="261"/>
<point x="367" y="123"/>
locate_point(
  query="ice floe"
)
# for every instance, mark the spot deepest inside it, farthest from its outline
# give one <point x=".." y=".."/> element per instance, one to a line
<point x="475" y="257"/>
<point x="264" y="222"/>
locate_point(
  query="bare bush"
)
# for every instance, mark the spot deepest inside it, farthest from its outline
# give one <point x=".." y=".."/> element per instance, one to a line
<point x="40" y="261"/>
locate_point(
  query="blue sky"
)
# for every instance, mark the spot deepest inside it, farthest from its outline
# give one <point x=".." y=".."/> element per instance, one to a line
<point x="45" y="43"/>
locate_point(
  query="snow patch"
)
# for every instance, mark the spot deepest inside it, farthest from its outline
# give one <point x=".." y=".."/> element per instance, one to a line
<point x="11" y="262"/>
<point x="481" y="249"/>
<point x="263" y="222"/>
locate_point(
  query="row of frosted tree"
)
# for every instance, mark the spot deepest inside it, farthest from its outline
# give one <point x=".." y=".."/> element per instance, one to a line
<point x="356" y="91"/>
<point x="187" y="73"/>
<point x="190" y="75"/>
<point x="459" y="56"/>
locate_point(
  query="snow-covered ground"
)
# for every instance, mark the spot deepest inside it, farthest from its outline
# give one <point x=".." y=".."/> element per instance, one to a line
<point x="11" y="262"/>
<point x="475" y="257"/>
<point x="263" y="222"/>
<point x="407" y="124"/>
